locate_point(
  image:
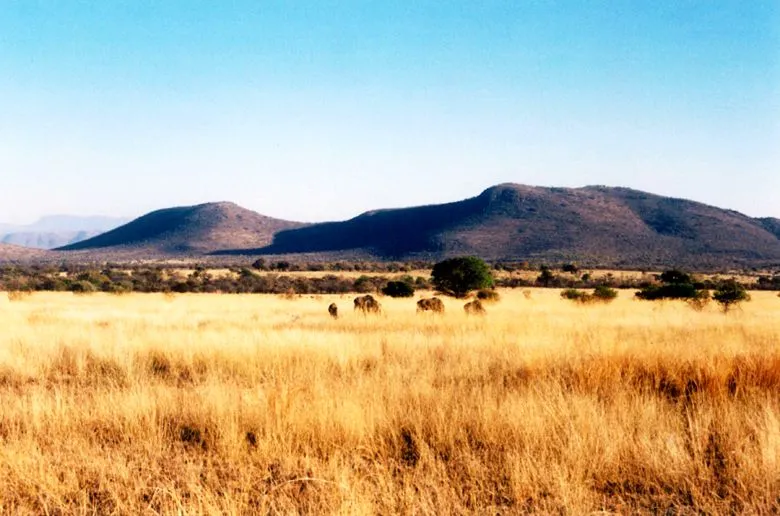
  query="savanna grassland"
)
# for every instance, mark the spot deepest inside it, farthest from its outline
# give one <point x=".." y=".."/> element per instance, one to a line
<point x="246" y="404"/>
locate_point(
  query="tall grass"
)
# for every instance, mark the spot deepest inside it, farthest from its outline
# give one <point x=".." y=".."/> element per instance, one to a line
<point x="258" y="404"/>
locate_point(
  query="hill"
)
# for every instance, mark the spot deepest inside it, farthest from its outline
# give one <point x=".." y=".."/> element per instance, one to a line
<point x="771" y="224"/>
<point x="593" y="225"/>
<point x="188" y="230"/>
<point x="16" y="253"/>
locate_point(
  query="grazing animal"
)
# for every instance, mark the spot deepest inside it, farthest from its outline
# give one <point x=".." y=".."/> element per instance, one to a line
<point x="433" y="304"/>
<point x="333" y="310"/>
<point x="367" y="304"/>
<point x="474" y="308"/>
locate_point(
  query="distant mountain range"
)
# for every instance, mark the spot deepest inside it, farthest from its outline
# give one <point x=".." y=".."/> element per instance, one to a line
<point x="57" y="230"/>
<point x="594" y="225"/>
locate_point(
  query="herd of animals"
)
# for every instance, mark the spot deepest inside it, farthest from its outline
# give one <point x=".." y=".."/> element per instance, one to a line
<point x="369" y="305"/>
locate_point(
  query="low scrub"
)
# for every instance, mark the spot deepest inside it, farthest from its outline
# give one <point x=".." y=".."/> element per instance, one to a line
<point x="601" y="294"/>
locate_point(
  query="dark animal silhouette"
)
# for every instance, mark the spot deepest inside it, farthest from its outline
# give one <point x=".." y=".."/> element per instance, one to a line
<point x="433" y="304"/>
<point x="474" y="308"/>
<point x="333" y="310"/>
<point x="367" y="304"/>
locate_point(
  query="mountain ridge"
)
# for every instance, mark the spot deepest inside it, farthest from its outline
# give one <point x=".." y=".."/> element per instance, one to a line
<point x="595" y="225"/>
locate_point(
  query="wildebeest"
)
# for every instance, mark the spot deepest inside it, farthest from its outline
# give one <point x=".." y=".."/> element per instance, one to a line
<point x="433" y="304"/>
<point x="333" y="310"/>
<point x="474" y="308"/>
<point x="367" y="304"/>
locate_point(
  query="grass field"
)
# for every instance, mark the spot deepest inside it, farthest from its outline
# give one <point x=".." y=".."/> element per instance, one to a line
<point x="202" y="404"/>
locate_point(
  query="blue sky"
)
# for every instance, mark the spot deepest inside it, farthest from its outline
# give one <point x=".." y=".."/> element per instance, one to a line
<point x="321" y="110"/>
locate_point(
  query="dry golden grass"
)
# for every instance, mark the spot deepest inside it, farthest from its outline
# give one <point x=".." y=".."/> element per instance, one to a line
<point x="199" y="404"/>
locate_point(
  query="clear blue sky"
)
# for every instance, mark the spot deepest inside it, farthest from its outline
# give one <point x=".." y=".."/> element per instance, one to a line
<point x="321" y="110"/>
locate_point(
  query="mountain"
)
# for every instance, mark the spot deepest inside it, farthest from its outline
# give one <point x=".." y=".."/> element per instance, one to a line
<point x="56" y="223"/>
<point x="594" y="225"/>
<point x="46" y="240"/>
<point x="57" y="230"/>
<point x="188" y="230"/>
<point x="771" y="224"/>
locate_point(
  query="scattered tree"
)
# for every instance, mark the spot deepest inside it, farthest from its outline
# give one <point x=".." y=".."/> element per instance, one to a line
<point x="546" y="277"/>
<point x="459" y="276"/>
<point x="674" y="285"/>
<point x="730" y="293"/>
<point x="570" y="267"/>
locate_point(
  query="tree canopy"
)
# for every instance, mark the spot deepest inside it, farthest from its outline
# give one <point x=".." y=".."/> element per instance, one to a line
<point x="459" y="276"/>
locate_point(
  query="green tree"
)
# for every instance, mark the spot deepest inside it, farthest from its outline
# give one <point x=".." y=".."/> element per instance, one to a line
<point x="674" y="285"/>
<point x="459" y="276"/>
<point x="675" y="277"/>
<point x="604" y="293"/>
<point x="546" y="278"/>
<point x="730" y="293"/>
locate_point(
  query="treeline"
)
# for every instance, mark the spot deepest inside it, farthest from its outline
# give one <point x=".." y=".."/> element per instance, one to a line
<point x="200" y="280"/>
<point x="569" y="277"/>
<point x="271" y="278"/>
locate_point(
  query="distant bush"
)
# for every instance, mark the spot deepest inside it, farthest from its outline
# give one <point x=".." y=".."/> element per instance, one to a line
<point x="699" y="302"/>
<point x="674" y="276"/>
<point x="489" y="295"/>
<point x="570" y="268"/>
<point x="83" y="287"/>
<point x="675" y="285"/>
<point x="604" y="293"/>
<point x="546" y="278"/>
<point x="18" y="295"/>
<point x="572" y="294"/>
<point x="398" y="289"/>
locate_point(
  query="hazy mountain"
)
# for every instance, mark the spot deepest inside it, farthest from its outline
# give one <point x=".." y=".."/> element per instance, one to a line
<point x="189" y="230"/>
<point x="57" y="230"/>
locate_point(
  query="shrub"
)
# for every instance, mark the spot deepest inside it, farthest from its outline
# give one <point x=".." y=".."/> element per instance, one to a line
<point x="573" y="294"/>
<point x="18" y="295"/>
<point x="82" y="287"/>
<point x="674" y="276"/>
<point x="730" y="293"/>
<point x="675" y="285"/>
<point x="700" y="302"/>
<point x="489" y="295"/>
<point x="398" y="289"/>
<point x="546" y="278"/>
<point x="604" y="293"/>
<point x="459" y="276"/>
<point x="570" y="267"/>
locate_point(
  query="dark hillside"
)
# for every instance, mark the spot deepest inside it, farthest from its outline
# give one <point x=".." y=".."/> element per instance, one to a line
<point x="593" y="225"/>
<point x="191" y="229"/>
